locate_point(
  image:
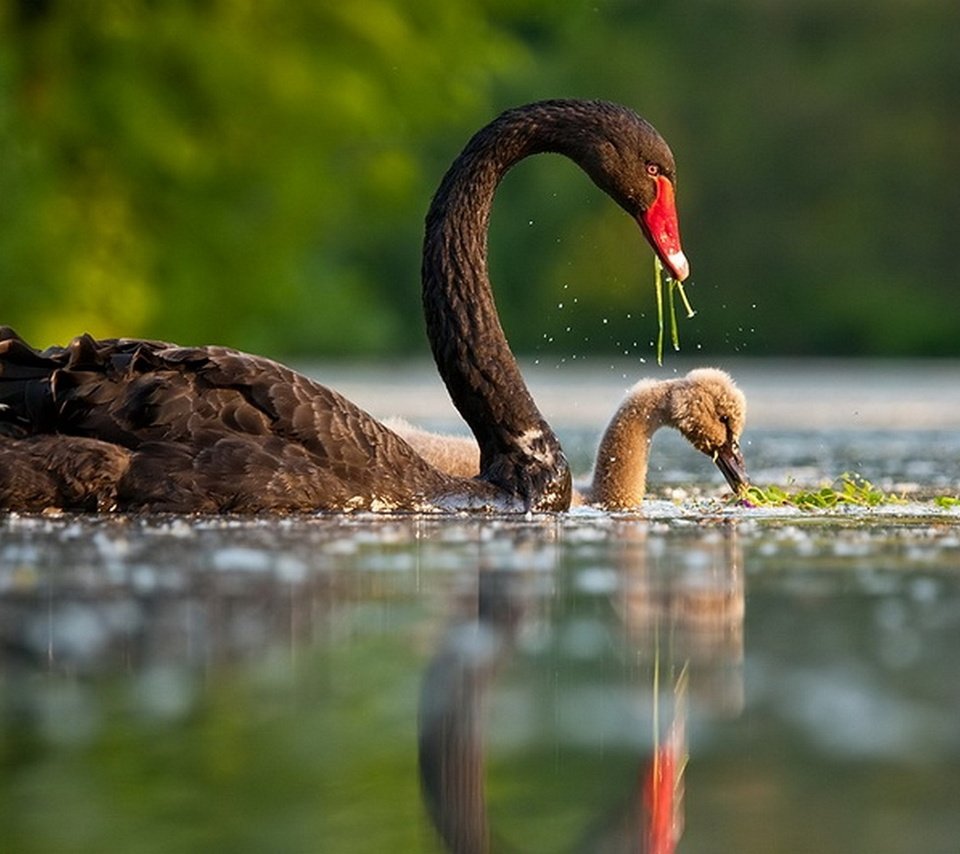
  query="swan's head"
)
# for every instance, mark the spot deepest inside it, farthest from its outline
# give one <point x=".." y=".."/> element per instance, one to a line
<point x="632" y="163"/>
<point x="710" y="411"/>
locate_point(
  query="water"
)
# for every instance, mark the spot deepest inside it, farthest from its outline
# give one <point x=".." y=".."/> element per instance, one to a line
<point x="360" y="684"/>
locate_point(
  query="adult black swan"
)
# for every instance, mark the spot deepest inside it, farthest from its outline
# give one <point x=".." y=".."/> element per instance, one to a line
<point x="143" y="425"/>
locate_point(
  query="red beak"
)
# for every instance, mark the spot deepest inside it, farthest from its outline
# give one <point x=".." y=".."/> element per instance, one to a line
<point x="660" y="225"/>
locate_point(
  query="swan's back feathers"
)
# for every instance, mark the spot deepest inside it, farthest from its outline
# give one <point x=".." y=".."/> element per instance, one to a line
<point x="46" y="471"/>
<point x="210" y="429"/>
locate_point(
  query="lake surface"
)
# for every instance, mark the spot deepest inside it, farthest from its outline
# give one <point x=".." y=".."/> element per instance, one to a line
<point x="703" y="678"/>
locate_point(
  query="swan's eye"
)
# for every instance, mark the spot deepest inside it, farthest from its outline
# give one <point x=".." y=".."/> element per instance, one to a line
<point x="653" y="169"/>
<point x="725" y="420"/>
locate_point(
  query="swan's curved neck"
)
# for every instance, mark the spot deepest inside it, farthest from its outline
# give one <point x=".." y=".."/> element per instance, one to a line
<point x="620" y="474"/>
<point x="469" y="345"/>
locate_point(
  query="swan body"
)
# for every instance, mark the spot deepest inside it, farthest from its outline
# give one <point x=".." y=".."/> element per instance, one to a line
<point x="166" y="428"/>
<point x="705" y="406"/>
<point x="145" y="425"/>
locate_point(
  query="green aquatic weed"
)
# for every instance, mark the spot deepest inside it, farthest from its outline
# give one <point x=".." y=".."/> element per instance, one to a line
<point x="947" y="502"/>
<point x="672" y="285"/>
<point x="850" y="490"/>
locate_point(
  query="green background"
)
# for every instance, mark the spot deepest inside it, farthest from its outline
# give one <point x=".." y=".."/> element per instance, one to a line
<point x="256" y="173"/>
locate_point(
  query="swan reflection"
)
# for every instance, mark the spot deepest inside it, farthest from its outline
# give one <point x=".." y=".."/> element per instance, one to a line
<point x="680" y="639"/>
<point x="547" y="671"/>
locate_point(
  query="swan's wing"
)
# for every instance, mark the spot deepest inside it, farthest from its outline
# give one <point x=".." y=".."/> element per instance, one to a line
<point x="135" y="392"/>
<point x="211" y="428"/>
<point x="40" y="472"/>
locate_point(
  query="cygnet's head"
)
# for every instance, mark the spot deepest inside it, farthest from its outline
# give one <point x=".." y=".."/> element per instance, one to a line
<point x="709" y="410"/>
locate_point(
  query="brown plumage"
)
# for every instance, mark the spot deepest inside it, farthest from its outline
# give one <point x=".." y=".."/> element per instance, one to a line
<point x="153" y="426"/>
<point x="705" y="406"/>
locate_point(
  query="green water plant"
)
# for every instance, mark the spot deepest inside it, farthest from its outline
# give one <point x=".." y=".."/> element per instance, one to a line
<point x="947" y="502"/>
<point x="672" y="285"/>
<point x="848" y="490"/>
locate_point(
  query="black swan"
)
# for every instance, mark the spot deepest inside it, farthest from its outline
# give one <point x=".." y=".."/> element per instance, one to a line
<point x="144" y="425"/>
<point x="705" y="406"/>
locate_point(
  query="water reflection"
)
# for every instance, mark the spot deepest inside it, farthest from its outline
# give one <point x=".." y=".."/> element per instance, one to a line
<point x="423" y="684"/>
<point x="681" y="632"/>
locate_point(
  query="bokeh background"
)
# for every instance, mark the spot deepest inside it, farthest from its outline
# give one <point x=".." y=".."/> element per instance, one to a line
<point x="255" y="172"/>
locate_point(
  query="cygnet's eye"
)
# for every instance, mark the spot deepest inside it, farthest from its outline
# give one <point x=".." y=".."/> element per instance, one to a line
<point x="725" y="420"/>
<point x="653" y="169"/>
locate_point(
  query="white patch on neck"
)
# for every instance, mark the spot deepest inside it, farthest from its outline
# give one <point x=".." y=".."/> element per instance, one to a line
<point x="527" y="443"/>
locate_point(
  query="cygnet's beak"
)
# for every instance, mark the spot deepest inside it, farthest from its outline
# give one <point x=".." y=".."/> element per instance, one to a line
<point x="730" y="462"/>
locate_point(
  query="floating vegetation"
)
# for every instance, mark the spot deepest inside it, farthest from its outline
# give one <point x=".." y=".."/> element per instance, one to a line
<point x="672" y="285"/>
<point x="850" y="490"/>
<point x="947" y="502"/>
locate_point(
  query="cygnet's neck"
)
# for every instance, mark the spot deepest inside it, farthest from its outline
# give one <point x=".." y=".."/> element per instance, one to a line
<point x="620" y="473"/>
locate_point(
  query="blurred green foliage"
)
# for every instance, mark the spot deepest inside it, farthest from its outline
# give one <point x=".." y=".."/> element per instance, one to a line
<point x="273" y="760"/>
<point x="256" y="173"/>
